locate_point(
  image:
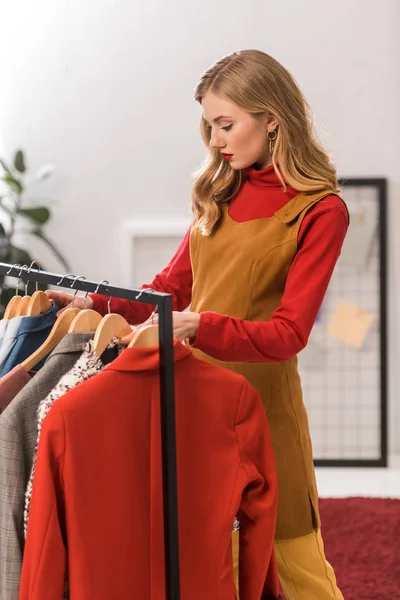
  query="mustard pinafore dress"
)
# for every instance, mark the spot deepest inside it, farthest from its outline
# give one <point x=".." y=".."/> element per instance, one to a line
<point x="241" y="271"/>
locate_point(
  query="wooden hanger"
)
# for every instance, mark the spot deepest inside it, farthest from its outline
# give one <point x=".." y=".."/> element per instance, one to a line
<point x="86" y="321"/>
<point x="12" y="307"/>
<point x="38" y="304"/>
<point x="112" y="325"/>
<point x="15" y="302"/>
<point x="145" y="338"/>
<point x="23" y="306"/>
<point x="58" y="331"/>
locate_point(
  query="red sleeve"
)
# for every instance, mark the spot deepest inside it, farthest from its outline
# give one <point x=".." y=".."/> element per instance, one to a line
<point x="175" y="279"/>
<point x="319" y="244"/>
<point x="45" y="556"/>
<point x="258" y="576"/>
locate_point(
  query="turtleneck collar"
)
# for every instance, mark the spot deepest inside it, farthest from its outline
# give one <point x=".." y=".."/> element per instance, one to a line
<point x="262" y="177"/>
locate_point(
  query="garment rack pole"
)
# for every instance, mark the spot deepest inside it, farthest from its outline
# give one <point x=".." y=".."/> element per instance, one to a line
<point x="167" y="397"/>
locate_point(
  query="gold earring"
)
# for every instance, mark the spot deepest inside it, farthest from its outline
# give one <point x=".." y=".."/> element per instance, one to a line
<point x="272" y="135"/>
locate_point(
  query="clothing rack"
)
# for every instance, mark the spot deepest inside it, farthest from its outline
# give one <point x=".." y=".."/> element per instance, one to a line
<point x="167" y="396"/>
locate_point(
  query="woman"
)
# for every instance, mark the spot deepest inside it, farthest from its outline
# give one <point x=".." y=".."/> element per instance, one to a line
<point x="267" y="231"/>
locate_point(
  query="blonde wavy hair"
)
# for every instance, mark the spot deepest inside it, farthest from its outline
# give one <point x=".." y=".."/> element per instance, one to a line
<point x="259" y="84"/>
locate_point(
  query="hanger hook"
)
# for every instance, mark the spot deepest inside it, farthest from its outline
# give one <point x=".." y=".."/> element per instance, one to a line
<point x="27" y="281"/>
<point x="150" y="291"/>
<point x="19" y="276"/>
<point x="144" y="290"/>
<point x="65" y="277"/>
<point x="85" y="300"/>
<point x="8" y="272"/>
<point x="13" y="267"/>
<point x="39" y="268"/>
<point x="102" y="282"/>
<point x="80" y="277"/>
<point x="34" y="262"/>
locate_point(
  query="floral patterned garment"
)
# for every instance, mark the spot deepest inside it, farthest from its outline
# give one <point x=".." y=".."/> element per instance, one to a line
<point x="87" y="365"/>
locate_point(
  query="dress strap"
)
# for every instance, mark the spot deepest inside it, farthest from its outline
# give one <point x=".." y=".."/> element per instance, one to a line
<point x="301" y="203"/>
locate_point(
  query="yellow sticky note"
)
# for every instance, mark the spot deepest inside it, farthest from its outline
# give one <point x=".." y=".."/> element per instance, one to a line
<point x="350" y="324"/>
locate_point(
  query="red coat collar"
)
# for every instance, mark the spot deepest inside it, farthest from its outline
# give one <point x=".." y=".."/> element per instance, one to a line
<point x="145" y="359"/>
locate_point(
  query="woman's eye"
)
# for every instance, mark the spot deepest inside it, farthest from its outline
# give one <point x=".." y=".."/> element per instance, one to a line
<point x="227" y="128"/>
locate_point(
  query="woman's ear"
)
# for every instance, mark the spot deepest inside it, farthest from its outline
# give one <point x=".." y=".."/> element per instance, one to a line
<point x="272" y="123"/>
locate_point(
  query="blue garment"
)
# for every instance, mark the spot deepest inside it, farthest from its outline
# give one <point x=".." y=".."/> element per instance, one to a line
<point x="32" y="332"/>
<point x="9" y="339"/>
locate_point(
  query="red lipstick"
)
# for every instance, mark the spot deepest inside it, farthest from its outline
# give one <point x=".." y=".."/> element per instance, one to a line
<point x="227" y="156"/>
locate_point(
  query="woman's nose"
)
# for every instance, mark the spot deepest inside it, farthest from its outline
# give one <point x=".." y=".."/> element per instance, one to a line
<point x="216" y="142"/>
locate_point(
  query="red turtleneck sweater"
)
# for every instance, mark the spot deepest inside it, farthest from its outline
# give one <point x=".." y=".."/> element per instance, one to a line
<point x="320" y="240"/>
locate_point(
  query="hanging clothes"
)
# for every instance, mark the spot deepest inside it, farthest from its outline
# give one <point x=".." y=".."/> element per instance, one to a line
<point x="3" y="327"/>
<point x="9" y="340"/>
<point x="31" y="334"/>
<point x="18" y="435"/>
<point x="97" y="493"/>
<point x="11" y="384"/>
<point x="88" y="365"/>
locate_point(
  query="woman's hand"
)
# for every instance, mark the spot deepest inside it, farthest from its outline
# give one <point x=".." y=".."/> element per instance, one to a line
<point x="64" y="300"/>
<point x="184" y="325"/>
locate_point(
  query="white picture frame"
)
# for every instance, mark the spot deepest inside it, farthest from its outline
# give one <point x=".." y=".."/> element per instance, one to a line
<point x="147" y="245"/>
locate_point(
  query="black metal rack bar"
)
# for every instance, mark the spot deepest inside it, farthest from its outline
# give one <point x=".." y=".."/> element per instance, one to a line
<point x="167" y="396"/>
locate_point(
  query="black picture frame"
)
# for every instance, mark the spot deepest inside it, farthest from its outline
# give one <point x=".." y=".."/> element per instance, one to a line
<point x="380" y="184"/>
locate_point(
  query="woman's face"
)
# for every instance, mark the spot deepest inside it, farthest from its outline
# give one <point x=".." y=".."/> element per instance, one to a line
<point x="239" y="136"/>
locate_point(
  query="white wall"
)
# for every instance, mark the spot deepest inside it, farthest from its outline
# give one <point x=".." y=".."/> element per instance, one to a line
<point x="104" y="88"/>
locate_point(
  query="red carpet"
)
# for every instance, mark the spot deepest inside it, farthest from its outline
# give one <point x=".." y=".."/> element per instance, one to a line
<point x="362" y="542"/>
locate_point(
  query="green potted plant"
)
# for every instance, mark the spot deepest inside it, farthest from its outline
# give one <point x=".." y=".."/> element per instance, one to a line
<point x="17" y="217"/>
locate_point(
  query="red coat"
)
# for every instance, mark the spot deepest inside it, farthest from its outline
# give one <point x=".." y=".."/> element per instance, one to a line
<point x="97" y="493"/>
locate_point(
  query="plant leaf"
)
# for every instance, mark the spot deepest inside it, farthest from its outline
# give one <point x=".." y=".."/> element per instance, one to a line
<point x="20" y="256"/>
<point x="8" y="210"/>
<point x="52" y="247"/>
<point x="38" y="214"/>
<point x="5" y="167"/>
<point x="13" y="183"/>
<point x="4" y="254"/>
<point x="19" y="161"/>
<point x="4" y="251"/>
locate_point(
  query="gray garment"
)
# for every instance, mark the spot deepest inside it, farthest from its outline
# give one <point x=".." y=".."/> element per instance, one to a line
<point x="18" y="434"/>
<point x="87" y="366"/>
<point x="10" y="339"/>
<point x="3" y="327"/>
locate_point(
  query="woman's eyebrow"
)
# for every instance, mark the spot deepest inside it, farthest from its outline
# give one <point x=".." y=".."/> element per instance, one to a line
<point x="220" y="118"/>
